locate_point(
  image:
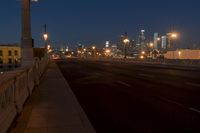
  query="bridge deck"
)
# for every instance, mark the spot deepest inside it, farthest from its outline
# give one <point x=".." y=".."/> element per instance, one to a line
<point x="52" y="108"/>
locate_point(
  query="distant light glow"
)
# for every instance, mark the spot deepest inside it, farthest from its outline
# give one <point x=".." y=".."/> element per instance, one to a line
<point x="45" y="36"/>
<point x="108" y="51"/>
<point x="34" y="0"/>
<point x="174" y="35"/>
<point x="143" y="52"/>
<point x="126" y="41"/>
<point x="179" y="53"/>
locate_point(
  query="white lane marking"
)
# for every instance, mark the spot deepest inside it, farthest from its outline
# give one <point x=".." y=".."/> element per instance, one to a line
<point x="193" y="84"/>
<point x="181" y="105"/>
<point x="123" y="83"/>
<point x="171" y="101"/>
<point x="195" y="110"/>
<point x="147" y="75"/>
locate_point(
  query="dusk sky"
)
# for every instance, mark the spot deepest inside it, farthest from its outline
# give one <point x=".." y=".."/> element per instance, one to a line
<point x="88" y="21"/>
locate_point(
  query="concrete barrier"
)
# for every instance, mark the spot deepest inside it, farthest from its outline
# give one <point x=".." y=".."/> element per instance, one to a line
<point x="15" y="87"/>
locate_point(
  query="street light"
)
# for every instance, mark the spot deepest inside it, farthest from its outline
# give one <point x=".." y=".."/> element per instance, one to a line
<point x="93" y="47"/>
<point x="171" y="36"/>
<point x="151" y="45"/>
<point x="45" y="36"/>
<point x="126" y="42"/>
<point x="174" y="35"/>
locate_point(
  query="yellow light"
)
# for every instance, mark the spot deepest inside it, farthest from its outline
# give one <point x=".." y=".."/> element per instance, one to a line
<point x="158" y="38"/>
<point x="179" y="53"/>
<point x="108" y="51"/>
<point x="93" y="47"/>
<point x="141" y="57"/>
<point x="48" y="47"/>
<point x="126" y="40"/>
<point x="174" y="35"/>
<point x="84" y="49"/>
<point x="45" y="36"/>
<point x="151" y="45"/>
<point x="143" y="52"/>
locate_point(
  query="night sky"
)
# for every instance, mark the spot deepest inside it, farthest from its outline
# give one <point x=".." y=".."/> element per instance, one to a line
<point x="88" y="21"/>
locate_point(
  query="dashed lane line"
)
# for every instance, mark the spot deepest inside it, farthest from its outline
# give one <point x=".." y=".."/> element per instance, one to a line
<point x="123" y="83"/>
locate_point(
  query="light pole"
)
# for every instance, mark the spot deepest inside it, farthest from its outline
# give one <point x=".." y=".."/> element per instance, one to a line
<point x="93" y="48"/>
<point x="45" y="36"/>
<point x="170" y="37"/>
<point x="126" y="42"/>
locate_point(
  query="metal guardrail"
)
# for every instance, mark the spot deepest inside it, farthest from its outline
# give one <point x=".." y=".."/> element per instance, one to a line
<point x="15" y="87"/>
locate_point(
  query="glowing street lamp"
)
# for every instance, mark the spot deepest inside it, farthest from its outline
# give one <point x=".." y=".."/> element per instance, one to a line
<point x="126" y="41"/>
<point x="151" y="45"/>
<point x="45" y="36"/>
<point x="174" y="35"/>
<point x="93" y="47"/>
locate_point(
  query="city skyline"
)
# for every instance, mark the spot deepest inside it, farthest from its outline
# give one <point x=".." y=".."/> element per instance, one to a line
<point x="98" y="21"/>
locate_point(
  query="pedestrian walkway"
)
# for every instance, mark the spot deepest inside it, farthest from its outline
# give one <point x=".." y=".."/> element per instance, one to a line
<point x="52" y="108"/>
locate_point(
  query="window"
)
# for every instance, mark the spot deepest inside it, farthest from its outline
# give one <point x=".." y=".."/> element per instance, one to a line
<point x="1" y="53"/>
<point x="16" y="53"/>
<point x="9" y="53"/>
<point x="9" y="61"/>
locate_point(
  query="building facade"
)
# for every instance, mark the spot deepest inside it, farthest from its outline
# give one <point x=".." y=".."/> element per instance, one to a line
<point x="186" y="54"/>
<point x="10" y="55"/>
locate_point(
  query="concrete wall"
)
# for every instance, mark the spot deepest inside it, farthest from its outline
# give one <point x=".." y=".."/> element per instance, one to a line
<point x="15" y="88"/>
<point x="183" y="54"/>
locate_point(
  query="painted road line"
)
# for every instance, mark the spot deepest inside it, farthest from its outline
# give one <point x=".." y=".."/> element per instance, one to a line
<point x="195" y="110"/>
<point x="147" y="75"/>
<point x="192" y="84"/>
<point x="171" y="101"/>
<point x="180" y="105"/>
<point x="123" y="83"/>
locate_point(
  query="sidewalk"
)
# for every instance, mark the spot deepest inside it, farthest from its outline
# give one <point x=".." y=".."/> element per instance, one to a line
<point x="52" y="108"/>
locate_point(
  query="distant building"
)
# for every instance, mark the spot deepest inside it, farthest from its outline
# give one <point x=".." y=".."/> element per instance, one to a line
<point x="142" y="40"/>
<point x="157" y="41"/>
<point x="10" y="54"/>
<point x="183" y="54"/>
<point x="164" y="42"/>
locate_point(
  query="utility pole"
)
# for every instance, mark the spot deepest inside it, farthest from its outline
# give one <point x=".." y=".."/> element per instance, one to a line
<point x="26" y="37"/>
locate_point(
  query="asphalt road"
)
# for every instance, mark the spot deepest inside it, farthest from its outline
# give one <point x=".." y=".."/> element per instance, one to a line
<point x="132" y="98"/>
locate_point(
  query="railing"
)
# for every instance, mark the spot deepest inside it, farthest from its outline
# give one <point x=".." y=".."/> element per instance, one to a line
<point x="15" y="88"/>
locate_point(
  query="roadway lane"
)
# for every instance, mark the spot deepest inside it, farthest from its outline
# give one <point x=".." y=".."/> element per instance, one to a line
<point x="126" y="98"/>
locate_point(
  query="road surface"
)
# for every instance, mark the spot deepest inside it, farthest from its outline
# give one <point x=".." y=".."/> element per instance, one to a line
<point x="121" y="97"/>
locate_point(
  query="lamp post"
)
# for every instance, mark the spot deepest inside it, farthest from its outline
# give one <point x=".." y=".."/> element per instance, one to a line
<point x="93" y="48"/>
<point x="126" y="42"/>
<point x="170" y="37"/>
<point x="26" y="38"/>
<point x="45" y="37"/>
